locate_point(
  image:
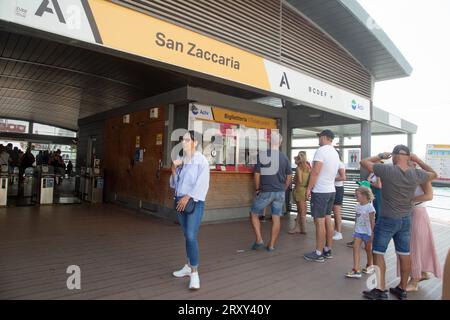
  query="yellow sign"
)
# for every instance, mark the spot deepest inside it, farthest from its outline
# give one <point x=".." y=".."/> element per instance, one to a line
<point x="248" y="120"/>
<point x="138" y="141"/>
<point x="137" y="33"/>
<point x="159" y="139"/>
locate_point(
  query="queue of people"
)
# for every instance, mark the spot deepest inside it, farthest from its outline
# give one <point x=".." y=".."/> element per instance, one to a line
<point x="14" y="157"/>
<point x="389" y="206"/>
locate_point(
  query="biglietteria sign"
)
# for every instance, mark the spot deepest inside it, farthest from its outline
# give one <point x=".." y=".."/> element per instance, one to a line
<point x="120" y="28"/>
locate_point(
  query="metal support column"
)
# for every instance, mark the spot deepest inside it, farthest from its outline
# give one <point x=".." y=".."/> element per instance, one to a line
<point x="366" y="133"/>
<point x="169" y="129"/>
<point x="410" y="141"/>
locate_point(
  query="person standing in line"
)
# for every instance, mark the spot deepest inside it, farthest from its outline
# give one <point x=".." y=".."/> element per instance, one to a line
<point x="399" y="184"/>
<point x="375" y="186"/>
<point x="272" y="178"/>
<point x="446" y="279"/>
<point x="339" y="199"/>
<point x="364" y="224"/>
<point x="4" y="156"/>
<point x="302" y="178"/>
<point x="321" y="191"/>
<point x="423" y="252"/>
<point x="190" y="179"/>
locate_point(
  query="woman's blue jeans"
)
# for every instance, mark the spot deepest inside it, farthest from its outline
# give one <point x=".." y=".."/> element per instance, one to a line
<point x="191" y="224"/>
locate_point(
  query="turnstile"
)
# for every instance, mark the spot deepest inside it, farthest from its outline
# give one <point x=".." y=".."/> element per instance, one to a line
<point x="66" y="191"/>
<point x="13" y="188"/>
<point x="94" y="187"/>
<point x="4" y="181"/>
<point x="29" y="183"/>
<point x="46" y="185"/>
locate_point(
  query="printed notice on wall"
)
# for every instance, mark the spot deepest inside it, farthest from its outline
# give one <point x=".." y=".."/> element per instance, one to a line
<point x="354" y="156"/>
<point x="138" y="141"/>
<point x="159" y="139"/>
<point x="438" y="157"/>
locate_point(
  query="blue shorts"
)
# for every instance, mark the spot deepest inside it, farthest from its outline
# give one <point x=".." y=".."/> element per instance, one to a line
<point x="363" y="236"/>
<point x="263" y="199"/>
<point x="390" y="228"/>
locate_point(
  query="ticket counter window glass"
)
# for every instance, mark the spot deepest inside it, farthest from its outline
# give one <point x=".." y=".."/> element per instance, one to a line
<point x="230" y="146"/>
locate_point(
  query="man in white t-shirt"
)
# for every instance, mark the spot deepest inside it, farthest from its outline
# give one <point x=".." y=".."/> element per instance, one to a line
<point x="322" y="191"/>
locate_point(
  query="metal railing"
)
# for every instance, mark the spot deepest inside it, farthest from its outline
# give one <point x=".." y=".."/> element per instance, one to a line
<point x="349" y="203"/>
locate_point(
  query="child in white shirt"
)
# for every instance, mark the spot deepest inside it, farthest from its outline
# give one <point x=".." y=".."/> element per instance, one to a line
<point x="364" y="224"/>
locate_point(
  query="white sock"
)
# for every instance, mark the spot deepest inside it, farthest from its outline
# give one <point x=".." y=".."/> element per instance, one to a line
<point x="318" y="253"/>
<point x="326" y="249"/>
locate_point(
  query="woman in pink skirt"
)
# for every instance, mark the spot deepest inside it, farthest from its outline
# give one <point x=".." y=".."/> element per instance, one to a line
<point x="423" y="252"/>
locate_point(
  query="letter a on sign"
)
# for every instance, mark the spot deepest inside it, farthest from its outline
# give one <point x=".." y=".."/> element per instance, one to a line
<point x="74" y="281"/>
<point x="284" y="81"/>
<point x="45" y="8"/>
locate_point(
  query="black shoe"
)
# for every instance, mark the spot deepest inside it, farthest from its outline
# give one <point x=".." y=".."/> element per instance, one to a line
<point x="327" y="254"/>
<point x="399" y="293"/>
<point x="375" y="294"/>
<point x="350" y="244"/>
<point x="262" y="219"/>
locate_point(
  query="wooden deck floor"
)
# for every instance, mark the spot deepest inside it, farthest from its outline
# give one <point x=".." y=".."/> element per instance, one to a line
<point x="124" y="255"/>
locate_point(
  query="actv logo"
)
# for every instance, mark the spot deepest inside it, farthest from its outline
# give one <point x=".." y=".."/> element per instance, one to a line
<point x="356" y="105"/>
<point x="195" y="111"/>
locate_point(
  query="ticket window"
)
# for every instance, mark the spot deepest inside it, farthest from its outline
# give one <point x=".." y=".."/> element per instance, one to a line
<point x="227" y="147"/>
<point x="250" y="145"/>
<point x="219" y="145"/>
<point x="231" y="139"/>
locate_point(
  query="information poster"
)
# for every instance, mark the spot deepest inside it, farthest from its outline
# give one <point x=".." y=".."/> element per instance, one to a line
<point x="354" y="157"/>
<point x="438" y="157"/>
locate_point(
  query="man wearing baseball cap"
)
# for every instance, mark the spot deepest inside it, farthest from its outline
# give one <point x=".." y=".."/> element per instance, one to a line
<point x="321" y="190"/>
<point x="399" y="184"/>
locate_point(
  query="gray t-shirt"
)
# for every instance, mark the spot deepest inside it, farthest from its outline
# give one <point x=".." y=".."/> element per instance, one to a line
<point x="398" y="188"/>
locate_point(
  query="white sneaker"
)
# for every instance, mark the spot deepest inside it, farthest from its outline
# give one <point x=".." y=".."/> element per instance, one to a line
<point x="368" y="270"/>
<point x="337" y="236"/>
<point x="194" y="284"/>
<point x="185" y="272"/>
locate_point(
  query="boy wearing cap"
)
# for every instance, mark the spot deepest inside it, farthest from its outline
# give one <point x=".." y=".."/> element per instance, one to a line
<point x="321" y="190"/>
<point x="399" y="184"/>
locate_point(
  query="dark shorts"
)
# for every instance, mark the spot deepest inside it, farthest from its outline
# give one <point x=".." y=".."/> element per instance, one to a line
<point x="339" y="198"/>
<point x="321" y="204"/>
<point x="390" y="228"/>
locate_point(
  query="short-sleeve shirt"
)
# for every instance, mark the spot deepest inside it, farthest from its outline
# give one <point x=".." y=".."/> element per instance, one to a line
<point x="274" y="167"/>
<point x="339" y="183"/>
<point x="398" y="188"/>
<point x="330" y="166"/>
<point x="362" y="224"/>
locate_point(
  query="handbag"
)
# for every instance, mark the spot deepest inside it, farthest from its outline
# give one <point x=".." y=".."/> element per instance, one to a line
<point x="190" y="205"/>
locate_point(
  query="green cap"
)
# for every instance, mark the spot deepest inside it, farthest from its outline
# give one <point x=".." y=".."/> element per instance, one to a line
<point x="364" y="183"/>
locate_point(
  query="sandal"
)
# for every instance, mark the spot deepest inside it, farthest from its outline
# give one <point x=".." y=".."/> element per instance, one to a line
<point x="427" y="277"/>
<point x="412" y="286"/>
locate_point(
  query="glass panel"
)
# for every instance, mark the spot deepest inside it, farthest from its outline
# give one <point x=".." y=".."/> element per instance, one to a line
<point x="68" y="152"/>
<point x="16" y="126"/>
<point x="52" y="131"/>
